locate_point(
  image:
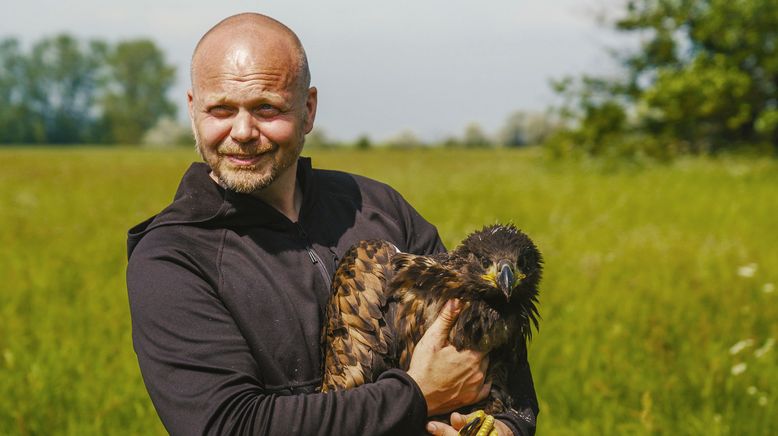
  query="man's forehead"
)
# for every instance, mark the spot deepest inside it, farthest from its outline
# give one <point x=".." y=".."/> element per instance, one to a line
<point x="242" y="56"/>
<point x="264" y="85"/>
<point x="246" y="75"/>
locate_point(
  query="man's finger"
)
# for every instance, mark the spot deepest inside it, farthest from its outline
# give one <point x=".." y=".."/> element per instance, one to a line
<point x="445" y="320"/>
<point x="440" y="429"/>
<point x="458" y="420"/>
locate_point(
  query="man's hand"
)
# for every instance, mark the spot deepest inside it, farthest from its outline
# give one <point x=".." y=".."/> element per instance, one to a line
<point x="448" y="378"/>
<point x="457" y="422"/>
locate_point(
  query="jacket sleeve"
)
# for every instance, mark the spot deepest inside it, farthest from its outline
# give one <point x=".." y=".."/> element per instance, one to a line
<point x="421" y="237"/>
<point x="522" y="417"/>
<point x="203" y="379"/>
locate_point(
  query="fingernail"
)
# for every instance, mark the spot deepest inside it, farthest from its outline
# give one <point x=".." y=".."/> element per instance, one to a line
<point x="431" y="427"/>
<point x="455" y="303"/>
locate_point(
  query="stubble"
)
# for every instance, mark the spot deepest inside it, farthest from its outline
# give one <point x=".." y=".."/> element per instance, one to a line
<point x="247" y="179"/>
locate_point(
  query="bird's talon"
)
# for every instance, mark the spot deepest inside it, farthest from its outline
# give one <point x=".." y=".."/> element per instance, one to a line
<point x="471" y="428"/>
<point x="480" y="424"/>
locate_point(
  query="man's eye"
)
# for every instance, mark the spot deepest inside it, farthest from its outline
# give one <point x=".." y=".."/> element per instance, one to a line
<point x="266" y="110"/>
<point x="220" y="111"/>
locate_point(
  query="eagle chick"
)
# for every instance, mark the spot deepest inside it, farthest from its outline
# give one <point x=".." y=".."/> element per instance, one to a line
<point x="383" y="301"/>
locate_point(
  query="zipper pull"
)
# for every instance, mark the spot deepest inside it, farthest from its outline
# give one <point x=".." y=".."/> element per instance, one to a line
<point x="312" y="256"/>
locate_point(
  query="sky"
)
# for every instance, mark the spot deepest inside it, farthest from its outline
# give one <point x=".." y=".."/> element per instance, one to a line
<point x="381" y="68"/>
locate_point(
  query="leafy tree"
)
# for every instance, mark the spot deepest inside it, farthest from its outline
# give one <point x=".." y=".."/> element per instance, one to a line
<point x="405" y="139"/>
<point x="513" y="133"/>
<point x="363" y="143"/>
<point x="17" y="123"/>
<point x="135" y="97"/>
<point x="525" y="128"/>
<point x="452" y="142"/>
<point x="705" y="77"/>
<point x="59" y="83"/>
<point x="64" y="91"/>
<point x="168" y="132"/>
<point x="475" y="137"/>
<point x="317" y="138"/>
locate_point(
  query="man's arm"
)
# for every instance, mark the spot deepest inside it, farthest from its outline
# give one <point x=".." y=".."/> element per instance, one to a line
<point x="421" y="237"/>
<point x="203" y="378"/>
<point x="522" y="419"/>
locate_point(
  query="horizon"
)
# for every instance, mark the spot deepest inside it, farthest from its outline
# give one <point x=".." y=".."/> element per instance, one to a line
<point x="502" y="63"/>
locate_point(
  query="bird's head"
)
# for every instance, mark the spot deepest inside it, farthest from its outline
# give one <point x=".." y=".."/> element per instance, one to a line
<point x="506" y="262"/>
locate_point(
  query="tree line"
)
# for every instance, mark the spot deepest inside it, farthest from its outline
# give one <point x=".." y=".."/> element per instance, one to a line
<point x="519" y="129"/>
<point x="65" y="91"/>
<point x="704" y="80"/>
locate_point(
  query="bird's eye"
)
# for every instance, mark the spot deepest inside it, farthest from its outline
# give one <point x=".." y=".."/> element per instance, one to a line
<point x="486" y="263"/>
<point x="522" y="262"/>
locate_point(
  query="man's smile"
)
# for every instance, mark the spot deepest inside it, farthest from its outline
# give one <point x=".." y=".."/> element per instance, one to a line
<point x="244" y="159"/>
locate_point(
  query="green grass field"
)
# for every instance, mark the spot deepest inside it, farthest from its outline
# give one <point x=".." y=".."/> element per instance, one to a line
<point x="659" y="306"/>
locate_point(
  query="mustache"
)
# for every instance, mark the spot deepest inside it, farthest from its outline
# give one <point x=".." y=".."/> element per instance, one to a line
<point x="230" y="147"/>
<point x="245" y="149"/>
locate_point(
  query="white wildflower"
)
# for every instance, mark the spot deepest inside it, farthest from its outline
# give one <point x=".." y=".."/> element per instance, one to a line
<point x="752" y="390"/>
<point x="768" y="345"/>
<point x="768" y="288"/>
<point x="747" y="270"/>
<point x="740" y="346"/>
<point x="763" y="400"/>
<point x="9" y="358"/>
<point x="26" y="199"/>
<point x="738" y="369"/>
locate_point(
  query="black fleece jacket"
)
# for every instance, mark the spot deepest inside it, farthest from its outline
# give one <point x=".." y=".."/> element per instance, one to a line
<point x="227" y="298"/>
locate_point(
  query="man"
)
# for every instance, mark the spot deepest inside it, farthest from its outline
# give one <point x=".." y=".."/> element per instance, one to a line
<point x="228" y="284"/>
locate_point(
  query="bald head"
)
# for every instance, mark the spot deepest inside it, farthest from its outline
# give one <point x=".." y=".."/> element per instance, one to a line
<point x="257" y="35"/>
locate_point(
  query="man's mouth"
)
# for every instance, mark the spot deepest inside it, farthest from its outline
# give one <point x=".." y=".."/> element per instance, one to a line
<point x="243" y="159"/>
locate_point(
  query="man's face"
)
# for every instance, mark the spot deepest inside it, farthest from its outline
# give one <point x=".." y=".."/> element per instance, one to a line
<point x="249" y="113"/>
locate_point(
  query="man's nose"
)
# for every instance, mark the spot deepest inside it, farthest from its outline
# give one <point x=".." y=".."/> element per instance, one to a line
<point x="244" y="127"/>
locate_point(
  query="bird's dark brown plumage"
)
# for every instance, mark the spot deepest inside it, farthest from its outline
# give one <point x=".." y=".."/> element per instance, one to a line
<point x="383" y="301"/>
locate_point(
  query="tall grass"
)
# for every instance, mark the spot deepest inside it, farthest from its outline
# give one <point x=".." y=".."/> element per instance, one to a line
<point x="658" y="302"/>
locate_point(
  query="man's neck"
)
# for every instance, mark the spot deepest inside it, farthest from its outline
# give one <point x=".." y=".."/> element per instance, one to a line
<point x="284" y="194"/>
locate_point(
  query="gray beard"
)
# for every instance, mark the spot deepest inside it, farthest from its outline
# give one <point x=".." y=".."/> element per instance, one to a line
<point x="244" y="181"/>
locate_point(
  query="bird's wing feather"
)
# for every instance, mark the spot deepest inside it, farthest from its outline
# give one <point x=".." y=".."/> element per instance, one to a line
<point x="355" y="338"/>
<point x="421" y="286"/>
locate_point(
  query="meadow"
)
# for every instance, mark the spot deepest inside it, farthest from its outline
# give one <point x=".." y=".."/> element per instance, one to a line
<point x="659" y="307"/>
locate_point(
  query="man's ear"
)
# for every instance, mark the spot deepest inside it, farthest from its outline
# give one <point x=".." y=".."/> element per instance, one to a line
<point x="190" y="103"/>
<point x="310" y="108"/>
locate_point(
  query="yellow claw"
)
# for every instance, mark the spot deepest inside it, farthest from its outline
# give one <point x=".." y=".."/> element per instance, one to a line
<point x="479" y="424"/>
<point x="487" y="426"/>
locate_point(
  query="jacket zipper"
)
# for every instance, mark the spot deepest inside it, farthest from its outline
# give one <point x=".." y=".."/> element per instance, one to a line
<point x="315" y="259"/>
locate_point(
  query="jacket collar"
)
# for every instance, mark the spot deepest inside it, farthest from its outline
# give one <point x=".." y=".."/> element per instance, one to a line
<point x="200" y="201"/>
